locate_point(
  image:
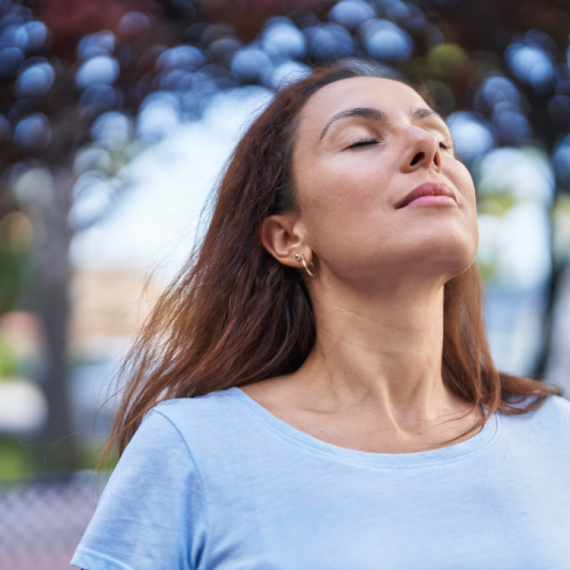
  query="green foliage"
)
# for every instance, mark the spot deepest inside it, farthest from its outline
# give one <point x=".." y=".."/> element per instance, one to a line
<point x="16" y="235"/>
<point x="8" y="361"/>
<point x="488" y="270"/>
<point x="447" y="59"/>
<point x="496" y="204"/>
<point x="16" y="460"/>
<point x="561" y="229"/>
<point x="90" y="455"/>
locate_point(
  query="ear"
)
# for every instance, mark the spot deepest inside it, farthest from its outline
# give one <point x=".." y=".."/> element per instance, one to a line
<point x="282" y="236"/>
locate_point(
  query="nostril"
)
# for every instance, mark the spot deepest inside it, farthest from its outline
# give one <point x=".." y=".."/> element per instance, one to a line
<point x="419" y="157"/>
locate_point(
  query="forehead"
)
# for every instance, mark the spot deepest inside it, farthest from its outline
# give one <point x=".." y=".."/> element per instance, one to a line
<point x="389" y="96"/>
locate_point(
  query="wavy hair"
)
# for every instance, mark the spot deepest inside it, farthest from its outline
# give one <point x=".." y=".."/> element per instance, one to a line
<point x="234" y="315"/>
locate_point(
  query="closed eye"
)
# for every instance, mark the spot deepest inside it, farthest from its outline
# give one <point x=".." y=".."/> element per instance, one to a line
<point x="363" y="142"/>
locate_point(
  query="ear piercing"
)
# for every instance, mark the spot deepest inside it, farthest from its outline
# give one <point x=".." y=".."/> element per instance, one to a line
<point x="309" y="268"/>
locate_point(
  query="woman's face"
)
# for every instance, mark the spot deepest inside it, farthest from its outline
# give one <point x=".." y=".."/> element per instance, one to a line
<point x="362" y="145"/>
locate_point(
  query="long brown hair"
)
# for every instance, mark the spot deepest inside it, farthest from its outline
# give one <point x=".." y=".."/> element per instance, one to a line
<point x="235" y="316"/>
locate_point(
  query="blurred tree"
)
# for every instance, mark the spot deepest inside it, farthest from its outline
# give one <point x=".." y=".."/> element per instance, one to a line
<point x="59" y="164"/>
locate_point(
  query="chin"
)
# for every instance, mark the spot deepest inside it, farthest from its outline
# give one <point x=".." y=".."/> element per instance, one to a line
<point x="448" y="256"/>
<point x="458" y="268"/>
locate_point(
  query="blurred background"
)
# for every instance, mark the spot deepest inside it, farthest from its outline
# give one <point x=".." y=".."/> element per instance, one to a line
<point x="116" y="119"/>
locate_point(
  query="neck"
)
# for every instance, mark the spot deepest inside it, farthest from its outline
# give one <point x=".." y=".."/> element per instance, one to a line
<point x="381" y="351"/>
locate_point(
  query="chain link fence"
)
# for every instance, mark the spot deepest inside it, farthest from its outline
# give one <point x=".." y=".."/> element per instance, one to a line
<point x="41" y="523"/>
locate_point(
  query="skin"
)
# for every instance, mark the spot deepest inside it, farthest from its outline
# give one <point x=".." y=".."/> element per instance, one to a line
<point x="373" y="381"/>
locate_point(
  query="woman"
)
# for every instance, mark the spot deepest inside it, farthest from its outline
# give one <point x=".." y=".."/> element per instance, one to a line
<point x="326" y="395"/>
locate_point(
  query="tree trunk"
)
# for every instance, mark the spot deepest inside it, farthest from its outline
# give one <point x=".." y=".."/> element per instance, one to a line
<point x="56" y="448"/>
<point x="555" y="283"/>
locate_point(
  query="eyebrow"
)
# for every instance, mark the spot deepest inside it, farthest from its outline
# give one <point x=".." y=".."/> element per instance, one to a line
<point x="377" y="115"/>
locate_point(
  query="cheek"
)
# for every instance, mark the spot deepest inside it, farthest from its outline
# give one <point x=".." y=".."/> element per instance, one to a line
<point x="340" y="193"/>
<point x="341" y="218"/>
<point x="346" y="222"/>
<point x="461" y="178"/>
<point x="463" y="181"/>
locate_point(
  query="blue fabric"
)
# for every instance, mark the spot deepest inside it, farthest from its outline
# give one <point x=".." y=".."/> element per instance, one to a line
<point x="218" y="482"/>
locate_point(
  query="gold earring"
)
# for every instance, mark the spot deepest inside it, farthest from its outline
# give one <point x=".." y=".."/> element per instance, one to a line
<point x="309" y="268"/>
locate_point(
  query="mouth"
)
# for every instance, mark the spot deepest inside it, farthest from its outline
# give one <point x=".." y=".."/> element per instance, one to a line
<point x="427" y="189"/>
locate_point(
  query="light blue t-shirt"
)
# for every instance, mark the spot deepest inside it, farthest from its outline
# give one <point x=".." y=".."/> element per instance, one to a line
<point x="218" y="482"/>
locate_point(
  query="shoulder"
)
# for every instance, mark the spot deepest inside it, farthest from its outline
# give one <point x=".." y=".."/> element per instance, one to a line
<point x="182" y="425"/>
<point x="552" y="418"/>
<point x="557" y="408"/>
<point x="153" y="511"/>
<point x="214" y="407"/>
<point x="200" y="422"/>
<point x="554" y="408"/>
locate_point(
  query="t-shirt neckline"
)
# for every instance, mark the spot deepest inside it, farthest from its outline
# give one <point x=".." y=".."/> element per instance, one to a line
<point x="420" y="459"/>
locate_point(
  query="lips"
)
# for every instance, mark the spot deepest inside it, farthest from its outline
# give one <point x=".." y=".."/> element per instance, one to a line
<point x="426" y="189"/>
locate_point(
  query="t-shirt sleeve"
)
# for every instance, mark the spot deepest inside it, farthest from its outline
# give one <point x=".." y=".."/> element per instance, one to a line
<point x="151" y="514"/>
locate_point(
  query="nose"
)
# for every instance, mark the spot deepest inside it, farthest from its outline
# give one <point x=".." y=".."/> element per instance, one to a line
<point x="422" y="151"/>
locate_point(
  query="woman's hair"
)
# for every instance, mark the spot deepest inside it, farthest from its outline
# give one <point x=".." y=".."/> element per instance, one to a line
<point x="234" y="315"/>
